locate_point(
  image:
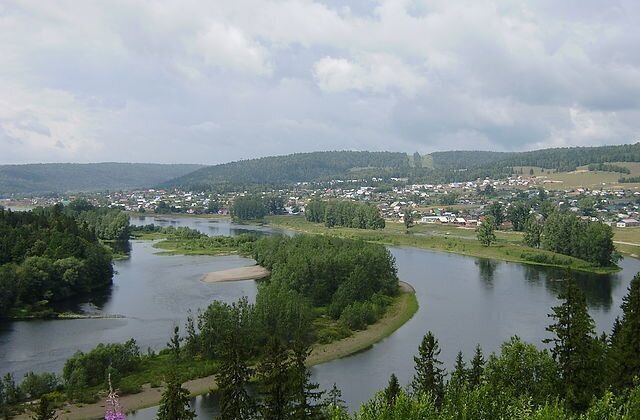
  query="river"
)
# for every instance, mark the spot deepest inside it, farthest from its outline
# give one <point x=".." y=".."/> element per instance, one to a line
<point x="464" y="300"/>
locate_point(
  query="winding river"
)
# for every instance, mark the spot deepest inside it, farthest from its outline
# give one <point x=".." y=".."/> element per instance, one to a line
<point x="464" y="300"/>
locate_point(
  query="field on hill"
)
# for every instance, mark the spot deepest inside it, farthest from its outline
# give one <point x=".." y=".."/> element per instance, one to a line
<point x="583" y="178"/>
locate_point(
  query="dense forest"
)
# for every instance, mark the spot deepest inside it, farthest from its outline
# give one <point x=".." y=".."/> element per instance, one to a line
<point x="298" y="167"/>
<point x="344" y="213"/>
<point x="47" y="256"/>
<point x="49" y="178"/>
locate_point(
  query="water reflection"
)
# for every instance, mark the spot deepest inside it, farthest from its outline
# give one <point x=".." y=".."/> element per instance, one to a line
<point x="487" y="270"/>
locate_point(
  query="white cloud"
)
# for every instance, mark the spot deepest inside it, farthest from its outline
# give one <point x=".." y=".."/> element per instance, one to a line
<point x="377" y="73"/>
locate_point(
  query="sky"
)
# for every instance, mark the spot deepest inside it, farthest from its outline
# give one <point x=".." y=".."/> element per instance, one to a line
<point x="182" y="81"/>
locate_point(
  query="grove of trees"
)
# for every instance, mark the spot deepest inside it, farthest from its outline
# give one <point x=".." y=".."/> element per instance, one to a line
<point x="47" y="256"/>
<point x="344" y="213"/>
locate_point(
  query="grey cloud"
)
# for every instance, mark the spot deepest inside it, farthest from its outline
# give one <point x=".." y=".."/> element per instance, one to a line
<point x="208" y="82"/>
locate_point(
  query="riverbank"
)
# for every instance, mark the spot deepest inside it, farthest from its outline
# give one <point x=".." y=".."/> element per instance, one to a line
<point x="454" y="240"/>
<point x="404" y="306"/>
<point x="254" y="272"/>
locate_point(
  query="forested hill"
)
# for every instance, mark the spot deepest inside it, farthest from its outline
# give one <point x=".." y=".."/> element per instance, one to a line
<point x="63" y="177"/>
<point x="298" y="167"/>
<point x="568" y="158"/>
<point x="464" y="159"/>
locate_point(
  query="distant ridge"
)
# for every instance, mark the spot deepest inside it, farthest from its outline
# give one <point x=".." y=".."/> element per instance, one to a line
<point x="46" y="178"/>
<point x="297" y="167"/>
<point x="462" y="165"/>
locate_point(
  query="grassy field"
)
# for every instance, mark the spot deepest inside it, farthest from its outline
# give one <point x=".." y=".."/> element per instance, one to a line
<point x="583" y="178"/>
<point x="459" y="241"/>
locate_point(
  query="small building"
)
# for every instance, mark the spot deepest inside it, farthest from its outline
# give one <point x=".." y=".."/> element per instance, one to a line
<point x="627" y="223"/>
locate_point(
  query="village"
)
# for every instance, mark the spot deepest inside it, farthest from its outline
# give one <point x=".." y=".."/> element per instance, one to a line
<point x="457" y="203"/>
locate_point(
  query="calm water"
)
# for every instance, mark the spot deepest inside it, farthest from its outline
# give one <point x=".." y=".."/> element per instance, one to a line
<point x="463" y="300"/>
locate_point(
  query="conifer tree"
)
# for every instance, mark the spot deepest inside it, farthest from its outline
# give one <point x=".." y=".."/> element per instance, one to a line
<point x="392" y="390"/>
<point x="429" y="375"/>
<point x="174" y="404"/>
<point x="44" y="411"/>
<point x="334" y="398"/>
<point x="477" y="367"/>
<point x="234" y="372"/>
<point x="174" y="343"/>
<point x="625" y="341"/>
<point x="274" y="374"/>
<point x="574" y="347"/>
<point x="306" y="397"/>
<point x="459" y="377"/>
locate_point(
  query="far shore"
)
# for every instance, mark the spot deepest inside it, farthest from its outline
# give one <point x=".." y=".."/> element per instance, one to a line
<point x="402" y="310"/>
<point x="253" y="272"/>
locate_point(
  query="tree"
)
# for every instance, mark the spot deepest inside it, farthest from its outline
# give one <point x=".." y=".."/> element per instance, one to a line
<point x="429" y="375"/>
<point x="274" y="373"/>
<point x="626" y="339"/>
<point x="533" y="232"/>
<point x="234" y="350"/>
<point x="174" y="343"/>
<point x="477" y="367"/>
<point x="460" y="374"/>
<point x="485" y="232"/>
<point x="407" y="218"/>
<point x="334" y="398"/>
<point x="574" y="347"/>
<point x="44" y="411"/>
<point x="517" y="214"/>
<point x="497" y="211"/>
<point x="306" y="396"/>
<point x="174" y="404"/>
<point x="392" y="390"/>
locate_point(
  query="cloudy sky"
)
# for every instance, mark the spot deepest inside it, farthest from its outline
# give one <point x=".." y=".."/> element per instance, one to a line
<point x="214" y="81"/>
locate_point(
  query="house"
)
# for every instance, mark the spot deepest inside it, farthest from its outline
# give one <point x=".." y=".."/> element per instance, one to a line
<point x="627" y="223"/>
<point x="430" y="219"/>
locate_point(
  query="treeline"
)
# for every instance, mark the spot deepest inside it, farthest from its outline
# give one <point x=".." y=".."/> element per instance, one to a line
<point x="344" y="213"/>
<point x="253" y="207"/>
<point x="46" y="178"/>
<point x="608" y="167"/>
<point x="47" y="256"/>
<point x="567" y="234"/>
<point x="107" y="224"/>
<point x="557" y="230"/>
<point x="187" y="240"/>
<point x="582" y="377"/>
<point x="629" y="180"/>
<point x="298" y="167"/>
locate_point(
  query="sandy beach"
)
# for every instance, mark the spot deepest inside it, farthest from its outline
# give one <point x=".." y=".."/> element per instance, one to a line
<point x="254" y="272"/>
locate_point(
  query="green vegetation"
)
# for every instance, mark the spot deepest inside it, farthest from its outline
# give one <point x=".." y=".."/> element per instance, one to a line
<point x="248" y="208"/>
<point x="47" y="256"/>
<point x="61" y="177"/>
<point x="107" y="224"/>
<point x="572" y="382"/>
<point x="486" y="231"/>
<point x="344" y="213"/>
<point x="435" y="168"/>
<point x="281" y="170"/>
<point x="187" y="241"/>
<point x="607" y="167"/>
<point x="567" y="234"/>
<point x="508" y="246"/>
